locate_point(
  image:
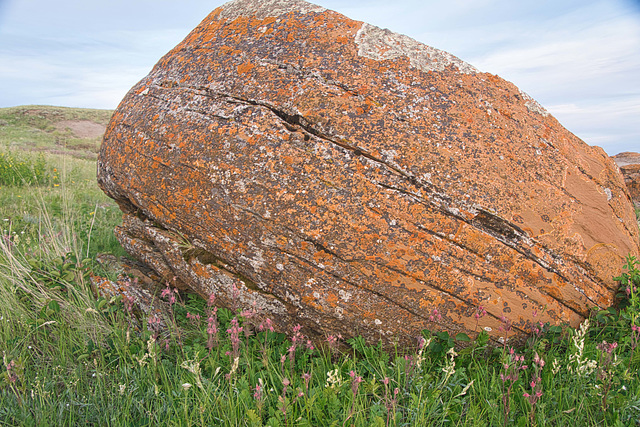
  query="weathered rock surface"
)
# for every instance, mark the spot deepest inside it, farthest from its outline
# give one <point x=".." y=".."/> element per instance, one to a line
<point x="629" y="164"/>
<point x="352" y="180"/>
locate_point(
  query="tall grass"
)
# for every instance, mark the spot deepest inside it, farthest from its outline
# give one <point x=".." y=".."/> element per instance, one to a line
<point x="73" y="357"/>
<point x="66" y="202"/>
<point x="16" y="171"/>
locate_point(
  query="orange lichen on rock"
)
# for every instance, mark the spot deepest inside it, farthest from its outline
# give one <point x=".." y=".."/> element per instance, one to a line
<point x="352" y="180"/>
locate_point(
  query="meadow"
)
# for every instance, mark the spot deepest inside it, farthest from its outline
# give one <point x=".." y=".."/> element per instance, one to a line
<point x="72" y="356"/>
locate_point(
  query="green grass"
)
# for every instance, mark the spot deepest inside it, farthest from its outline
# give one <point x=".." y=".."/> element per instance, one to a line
<point x="72" y="357"/>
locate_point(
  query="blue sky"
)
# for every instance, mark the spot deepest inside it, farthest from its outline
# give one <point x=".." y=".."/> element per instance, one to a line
<point x="579" y="58"/>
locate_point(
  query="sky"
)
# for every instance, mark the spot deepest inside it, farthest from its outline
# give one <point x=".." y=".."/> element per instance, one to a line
<point x="579" y="58"/>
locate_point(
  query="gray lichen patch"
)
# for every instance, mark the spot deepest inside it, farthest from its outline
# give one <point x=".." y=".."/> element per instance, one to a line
<point x="382" y="44"/>
<point x="265" y="8"/>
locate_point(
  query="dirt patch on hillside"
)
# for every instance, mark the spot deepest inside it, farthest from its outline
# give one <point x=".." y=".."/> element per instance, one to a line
<point x="82" y="128"/>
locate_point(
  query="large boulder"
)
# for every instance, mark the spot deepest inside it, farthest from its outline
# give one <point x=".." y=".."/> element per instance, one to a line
<point x="629" y="164"/>
<point x="352" y="180"/>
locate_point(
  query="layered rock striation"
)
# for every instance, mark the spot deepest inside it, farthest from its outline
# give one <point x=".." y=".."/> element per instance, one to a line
<point x="352" y="180"/>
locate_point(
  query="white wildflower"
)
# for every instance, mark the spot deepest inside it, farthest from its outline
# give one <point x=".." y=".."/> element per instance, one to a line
<point x="333" y="378"/>
<point x="122" y="388"/>
<point x="193" y="366"/>
<point x="142" y="360"/>
<point x="450" y="367"/>
<point x="579" y="364"/>
<point x="465" y="389"/>
<point x="151" y="349"/>
<point x="419" y="357"/>
<point x="150" y="354"/>
<point x="234" y="366"/>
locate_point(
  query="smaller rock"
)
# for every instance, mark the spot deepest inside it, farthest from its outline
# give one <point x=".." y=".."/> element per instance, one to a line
<point x="629" y="164"/>
<point x="141" y="302"/>
<point x="109" y="262"/>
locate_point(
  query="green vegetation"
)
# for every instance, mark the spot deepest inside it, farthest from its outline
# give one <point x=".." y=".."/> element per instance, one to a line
<point x="43" y="191"/>
<point x="71" y="131"/>
<point x="70" y="356"/>
<point x="16" y="171"/>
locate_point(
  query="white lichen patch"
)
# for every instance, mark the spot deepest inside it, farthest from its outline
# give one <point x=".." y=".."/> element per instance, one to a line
<point x="294" y="299"/>
<point x="264" y="8"/>
<point x="241" y="186"/>
<point x="533" y="105"/>
<point x="258" y="260"/>
<point x="382" y="44"/>
<point x="344" y="295"/>
<point x="389" y="154"/>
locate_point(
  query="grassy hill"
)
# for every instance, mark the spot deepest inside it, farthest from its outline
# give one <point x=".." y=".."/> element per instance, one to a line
<point x="58" y="130"/>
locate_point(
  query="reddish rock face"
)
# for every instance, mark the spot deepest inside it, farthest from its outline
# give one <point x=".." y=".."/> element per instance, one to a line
<point x="353" y="180"/>
<point x="629" y="164"/>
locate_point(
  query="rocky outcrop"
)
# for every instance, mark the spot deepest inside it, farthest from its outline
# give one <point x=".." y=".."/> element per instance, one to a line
<point x="629" y="164"/>
<point x="353" y="180"/>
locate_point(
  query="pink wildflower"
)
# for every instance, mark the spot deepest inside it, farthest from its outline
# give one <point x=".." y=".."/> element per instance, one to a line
<point x="169" y="294"/>
<point x="355" y="382"/>
<point x="211" y="300"/>
<point x="129" y="302"/>
<point x="266" y="324"/>
<point x="307" y="378"/>
<point x="421" y="342"/>
<point x="234" y="336"/>
<point x="480" y="313"/>
<point x="13" y="377"/>
<point x="212" y="331"/>
<point x="258" y="393"/>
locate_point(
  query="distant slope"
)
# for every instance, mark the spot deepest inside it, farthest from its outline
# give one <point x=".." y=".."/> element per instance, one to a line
<point x="58" y="130"/>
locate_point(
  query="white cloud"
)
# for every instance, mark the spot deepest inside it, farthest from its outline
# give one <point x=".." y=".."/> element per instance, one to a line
<point x="611" y="124"/>
<point x="95" y="72"/>
<point x="568" y="56"/>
